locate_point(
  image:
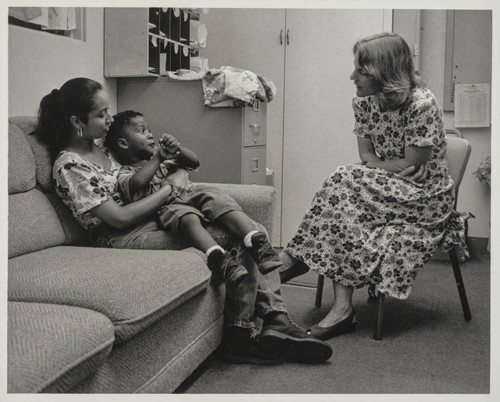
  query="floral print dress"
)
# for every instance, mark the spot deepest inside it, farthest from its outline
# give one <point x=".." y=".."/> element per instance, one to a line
<point x="370" y="226"/>
<point x="83" y="185"/>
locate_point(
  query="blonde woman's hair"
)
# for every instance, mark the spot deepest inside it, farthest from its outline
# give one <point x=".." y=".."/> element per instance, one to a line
<point x="387" y="57"/>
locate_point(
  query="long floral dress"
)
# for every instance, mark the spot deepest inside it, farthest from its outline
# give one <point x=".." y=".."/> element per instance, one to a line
<point x="367" y="225"/>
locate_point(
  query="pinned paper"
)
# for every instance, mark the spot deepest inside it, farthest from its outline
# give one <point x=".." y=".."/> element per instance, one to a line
<point x="201" y="35"/>
<point x="472" y="105"/>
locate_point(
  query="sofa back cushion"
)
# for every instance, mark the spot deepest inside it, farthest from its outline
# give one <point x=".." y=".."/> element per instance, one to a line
<point x="22" y="169"/>
<point x="37" y="218"/>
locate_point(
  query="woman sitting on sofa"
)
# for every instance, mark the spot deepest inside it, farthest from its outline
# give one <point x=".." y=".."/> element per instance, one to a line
<point x="70" y="120"/>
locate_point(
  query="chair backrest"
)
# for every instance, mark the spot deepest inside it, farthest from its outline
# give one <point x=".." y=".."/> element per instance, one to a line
<point x="455" y="132"/>
<point x="457" y="154"/>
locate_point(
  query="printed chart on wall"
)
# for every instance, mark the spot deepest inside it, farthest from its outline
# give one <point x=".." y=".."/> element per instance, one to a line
<point x="472" y="105"/>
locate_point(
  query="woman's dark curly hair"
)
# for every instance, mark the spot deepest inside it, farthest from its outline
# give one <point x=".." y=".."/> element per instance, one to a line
<point x="75" y="98"/>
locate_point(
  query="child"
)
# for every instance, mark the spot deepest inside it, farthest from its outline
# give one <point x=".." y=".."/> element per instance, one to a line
<point x="146" y="168"/>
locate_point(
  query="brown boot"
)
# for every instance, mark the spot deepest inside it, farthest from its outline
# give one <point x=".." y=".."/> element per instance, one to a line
<point x="238" y="346"/>
<point x="282" y="337"/>
<point x="233" y="271"/>
<point x="263" y="253"/>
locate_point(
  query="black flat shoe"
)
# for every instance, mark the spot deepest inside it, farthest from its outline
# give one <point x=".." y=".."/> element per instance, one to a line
<point x="297" y="269"/>
<point x="343" y="327"/>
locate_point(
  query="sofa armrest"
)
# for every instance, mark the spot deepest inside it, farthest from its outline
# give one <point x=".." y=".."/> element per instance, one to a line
<point x="257" y="201"/>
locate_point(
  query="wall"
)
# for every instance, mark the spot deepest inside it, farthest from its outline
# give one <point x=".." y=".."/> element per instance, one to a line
<point x="39" y="62"/>
<point x="474" y="196"/>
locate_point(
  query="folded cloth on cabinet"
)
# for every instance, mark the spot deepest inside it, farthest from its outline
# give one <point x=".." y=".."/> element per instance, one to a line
<point x="235" y="87"/>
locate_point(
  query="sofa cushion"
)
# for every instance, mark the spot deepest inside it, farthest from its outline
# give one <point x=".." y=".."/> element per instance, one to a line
<point x="133" y="288"/>
<point x="51" y="348"/>
<point x="33" y="223"/>
<point x="22" y="170"/>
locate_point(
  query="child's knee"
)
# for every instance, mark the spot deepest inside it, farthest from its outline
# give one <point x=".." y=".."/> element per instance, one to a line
<point x="189" y="220"/>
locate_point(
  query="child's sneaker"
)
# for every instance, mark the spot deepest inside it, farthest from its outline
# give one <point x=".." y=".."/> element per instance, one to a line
<point x="233" y="271"/>
<point x="263" y="253"/>
<point x="215" y="260"/>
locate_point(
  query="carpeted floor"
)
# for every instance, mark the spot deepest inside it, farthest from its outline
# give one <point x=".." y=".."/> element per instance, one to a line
<point x="427" y="346"/>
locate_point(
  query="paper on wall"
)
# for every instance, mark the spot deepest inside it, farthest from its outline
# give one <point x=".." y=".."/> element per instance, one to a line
<point x="472" y="105"/>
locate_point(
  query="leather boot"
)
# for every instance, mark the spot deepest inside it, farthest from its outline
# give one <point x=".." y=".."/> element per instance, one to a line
<point x="282" y="337"/>
<point x="240" y="345"/>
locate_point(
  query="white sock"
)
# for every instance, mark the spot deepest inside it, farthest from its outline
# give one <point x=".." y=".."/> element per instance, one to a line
<point x="217" y="247"/>
<point x="247" y="240"/>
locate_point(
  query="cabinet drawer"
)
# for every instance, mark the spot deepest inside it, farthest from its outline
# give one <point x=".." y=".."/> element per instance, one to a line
<point x="254" y="166"/>
<point x="254" y="125"/>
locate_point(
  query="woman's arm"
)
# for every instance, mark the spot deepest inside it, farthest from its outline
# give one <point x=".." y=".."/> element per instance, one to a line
<point x="414" y="156"/>
<point x="122" y="217"/>
<point x="366" y="150"/>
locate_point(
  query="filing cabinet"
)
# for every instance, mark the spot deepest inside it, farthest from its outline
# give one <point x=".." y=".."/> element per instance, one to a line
<point x="229" y="141"/>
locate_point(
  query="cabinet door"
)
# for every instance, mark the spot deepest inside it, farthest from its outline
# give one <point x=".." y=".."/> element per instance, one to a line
<point x="318" y="123"/>
<point x="249" y="38"/>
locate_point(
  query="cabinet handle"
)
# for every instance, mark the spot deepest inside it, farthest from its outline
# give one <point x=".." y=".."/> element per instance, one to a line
<point x="281" y="37"/>
<point x="255" y="128"/>
<point x="287" y="36"/>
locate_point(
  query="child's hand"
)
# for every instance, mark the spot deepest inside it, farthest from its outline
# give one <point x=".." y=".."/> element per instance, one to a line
<point x="170" y="146"/>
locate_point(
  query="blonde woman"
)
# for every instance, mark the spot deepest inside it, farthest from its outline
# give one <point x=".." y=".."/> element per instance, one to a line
<point x="372" y="223"/>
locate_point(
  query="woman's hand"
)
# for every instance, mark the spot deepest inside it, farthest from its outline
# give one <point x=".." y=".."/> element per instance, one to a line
<point x="415" y="175"/>
<point x="179" y="181"/>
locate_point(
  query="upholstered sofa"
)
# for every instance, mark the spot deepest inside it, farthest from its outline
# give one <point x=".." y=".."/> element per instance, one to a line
<point x="88" y="320"/>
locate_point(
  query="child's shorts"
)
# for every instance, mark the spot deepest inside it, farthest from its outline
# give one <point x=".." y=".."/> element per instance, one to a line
<point x="203" y="200"/>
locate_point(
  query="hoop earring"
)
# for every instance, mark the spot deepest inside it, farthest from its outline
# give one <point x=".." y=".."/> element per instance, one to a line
<point x="79" y="132"/>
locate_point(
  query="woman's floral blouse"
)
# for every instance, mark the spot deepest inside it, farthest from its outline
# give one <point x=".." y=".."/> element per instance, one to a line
<point x="83" y="185"/>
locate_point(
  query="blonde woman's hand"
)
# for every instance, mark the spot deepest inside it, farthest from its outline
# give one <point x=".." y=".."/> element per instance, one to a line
<point x="417" y="175"/>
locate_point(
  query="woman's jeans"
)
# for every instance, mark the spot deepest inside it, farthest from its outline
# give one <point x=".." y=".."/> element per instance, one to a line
<point x="255" y="296"/>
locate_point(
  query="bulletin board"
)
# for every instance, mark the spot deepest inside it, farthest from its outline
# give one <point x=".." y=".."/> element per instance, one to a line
<point x="468" y="62"/>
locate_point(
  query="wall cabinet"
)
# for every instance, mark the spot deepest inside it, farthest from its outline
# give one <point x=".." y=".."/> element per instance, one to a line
<point x="307" y="53"/>
<point x="230" y="142"/>
<point x="146" y="41"/>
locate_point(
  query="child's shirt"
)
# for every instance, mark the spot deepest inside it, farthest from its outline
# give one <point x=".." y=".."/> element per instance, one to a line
<point x="125" y="173"/>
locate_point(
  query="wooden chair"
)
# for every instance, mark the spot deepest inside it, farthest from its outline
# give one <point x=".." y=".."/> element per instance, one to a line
<point x="458" y="152"/>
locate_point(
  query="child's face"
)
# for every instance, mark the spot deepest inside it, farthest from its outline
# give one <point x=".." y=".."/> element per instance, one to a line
<point x="140" y="141"/>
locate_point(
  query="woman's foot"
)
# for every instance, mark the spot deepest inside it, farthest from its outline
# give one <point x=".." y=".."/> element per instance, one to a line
<point x="334" y="324"/>
<point x="291" y="267"/>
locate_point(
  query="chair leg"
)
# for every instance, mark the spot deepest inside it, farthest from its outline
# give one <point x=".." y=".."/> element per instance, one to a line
<point x="377" y="332"/>
<point x="319" y="290"/>
<point x="460" y="284"/>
